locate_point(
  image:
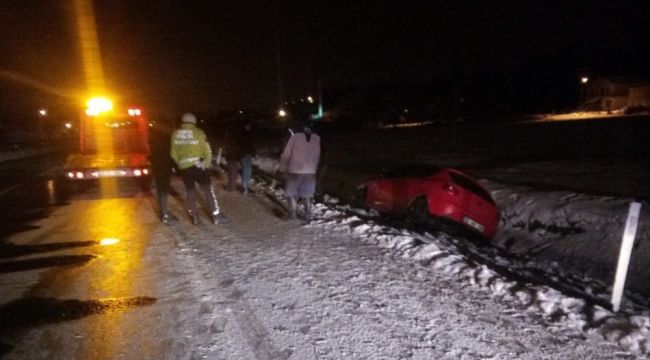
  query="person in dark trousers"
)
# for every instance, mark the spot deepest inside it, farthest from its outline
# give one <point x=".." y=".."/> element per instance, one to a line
<point x="191" y="153"/>
<point x="299" y="162"/>
<point x="161" y="166"/>
<point x="232" y="154"/>
<point x="247" y="153"/>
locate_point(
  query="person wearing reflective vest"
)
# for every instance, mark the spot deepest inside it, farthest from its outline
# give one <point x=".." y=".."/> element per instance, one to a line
<point x="191" y="153"/>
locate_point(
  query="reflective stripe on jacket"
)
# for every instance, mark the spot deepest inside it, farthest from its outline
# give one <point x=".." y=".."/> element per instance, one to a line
<point x="189" y="146"/>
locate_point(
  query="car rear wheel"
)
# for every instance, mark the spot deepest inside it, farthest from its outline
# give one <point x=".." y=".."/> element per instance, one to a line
<point x="418" y="212"/>
<point x="447" y="226"/>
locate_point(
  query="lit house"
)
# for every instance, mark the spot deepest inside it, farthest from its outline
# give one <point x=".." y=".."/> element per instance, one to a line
<point x="616" y="93"/>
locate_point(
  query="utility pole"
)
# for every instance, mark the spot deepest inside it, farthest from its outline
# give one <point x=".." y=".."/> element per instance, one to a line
<point x="278" y="58"/>
<point x="278" y="55"/>
<point x="320" y="100"/>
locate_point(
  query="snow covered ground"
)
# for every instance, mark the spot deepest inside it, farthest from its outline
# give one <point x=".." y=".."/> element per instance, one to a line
<point x="349" y="285"/>
<point x="345" y="286"/>
<point x="565" y="290"/>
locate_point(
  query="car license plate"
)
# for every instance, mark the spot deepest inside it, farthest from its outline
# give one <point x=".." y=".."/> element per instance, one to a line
<point x="473" y="223"/>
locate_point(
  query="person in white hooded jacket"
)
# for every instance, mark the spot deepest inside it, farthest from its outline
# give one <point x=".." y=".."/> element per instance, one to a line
<point x="299" y="162"/>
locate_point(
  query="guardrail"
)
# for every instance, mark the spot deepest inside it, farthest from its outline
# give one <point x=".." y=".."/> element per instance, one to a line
<point x="25" y="149"/>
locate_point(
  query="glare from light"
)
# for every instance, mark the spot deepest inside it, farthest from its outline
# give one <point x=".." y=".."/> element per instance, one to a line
<point x="310" y="99"/>
<point x="108" y="241"/>
<point x="89" y="44"/>
<point x="51" y="192"/>
<point x="137" y="172"/>
<point x="134" y="112"/>
<point x="68" y="125"/>
<point x="98" y="105"/>
<point x="145" y="171"/>
<point x="42" y="112"/>
<point x="282" y="113"/>
<point x="79" y="175"/>
<point x="584" y="80"/>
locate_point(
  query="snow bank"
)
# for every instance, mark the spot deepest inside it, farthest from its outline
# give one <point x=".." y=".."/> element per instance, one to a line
<point x="533" y="223"/>
<point x="580" y="232"/>
<point x="630" y="331"/>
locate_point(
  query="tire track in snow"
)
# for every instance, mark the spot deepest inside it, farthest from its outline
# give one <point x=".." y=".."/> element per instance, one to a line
<point x="256" y="334"/>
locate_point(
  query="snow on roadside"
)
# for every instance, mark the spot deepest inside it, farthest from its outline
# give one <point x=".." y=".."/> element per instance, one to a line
<point x="630" y="331"/>
<point x="581" y="232"/>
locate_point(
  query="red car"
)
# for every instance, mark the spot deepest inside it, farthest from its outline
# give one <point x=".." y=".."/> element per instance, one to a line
<point x="425" y="191"/>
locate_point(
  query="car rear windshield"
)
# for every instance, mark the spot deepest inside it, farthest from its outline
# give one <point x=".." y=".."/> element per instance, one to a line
<point x="413" y="170"/>
<point x="471" y="186"/>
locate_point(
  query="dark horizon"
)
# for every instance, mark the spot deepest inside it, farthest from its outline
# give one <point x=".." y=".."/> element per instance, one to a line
<point x="183" y="55"/>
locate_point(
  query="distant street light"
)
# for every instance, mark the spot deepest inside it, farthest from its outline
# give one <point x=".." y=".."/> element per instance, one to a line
<point x="282" y="113"/>
<point x="42" y="113"/>
<point x="583" y="92"/>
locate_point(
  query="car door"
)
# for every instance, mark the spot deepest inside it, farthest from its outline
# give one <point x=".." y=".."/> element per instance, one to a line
<point x="406" y="190"/>
<point x="381" y="194"/>
<point x="412" y="184"/>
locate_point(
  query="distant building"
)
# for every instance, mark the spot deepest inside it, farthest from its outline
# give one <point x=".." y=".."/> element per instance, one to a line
<point x="639" y="97"/>
<point x="616" y="93"/>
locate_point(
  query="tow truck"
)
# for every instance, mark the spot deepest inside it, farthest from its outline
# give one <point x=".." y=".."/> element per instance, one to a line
<point x="113" y="143"/>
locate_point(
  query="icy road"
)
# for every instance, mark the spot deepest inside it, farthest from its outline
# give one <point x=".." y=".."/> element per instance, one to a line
<point x="261" y="288"/>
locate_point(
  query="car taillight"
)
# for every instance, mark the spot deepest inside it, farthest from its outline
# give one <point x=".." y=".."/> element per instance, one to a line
<point x="450" y="189"/>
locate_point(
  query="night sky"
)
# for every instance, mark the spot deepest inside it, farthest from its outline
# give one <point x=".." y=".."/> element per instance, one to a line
<point x="211" y="55"/>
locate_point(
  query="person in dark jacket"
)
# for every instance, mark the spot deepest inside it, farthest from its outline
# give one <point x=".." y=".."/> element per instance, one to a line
<point x="161" y="166"/>
<point x="247" y="153"/>
<point x="231" y="152"/>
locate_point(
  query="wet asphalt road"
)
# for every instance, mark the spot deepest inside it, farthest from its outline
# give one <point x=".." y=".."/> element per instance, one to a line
<point x="67" y="254"/>
<point x="29" y="191"/>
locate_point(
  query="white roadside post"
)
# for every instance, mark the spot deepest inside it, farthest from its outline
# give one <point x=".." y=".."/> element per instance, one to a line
<point x="626" y="252"/>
